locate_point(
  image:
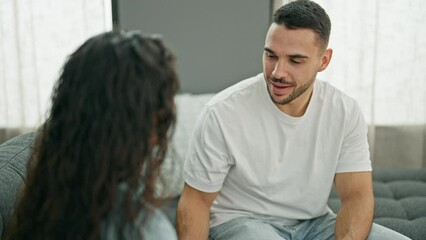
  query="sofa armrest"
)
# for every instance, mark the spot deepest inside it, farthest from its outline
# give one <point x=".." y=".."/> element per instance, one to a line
<point x="14" y="155"/>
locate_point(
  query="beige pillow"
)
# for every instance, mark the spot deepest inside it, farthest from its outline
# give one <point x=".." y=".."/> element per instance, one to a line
<point x="188" y="107"/>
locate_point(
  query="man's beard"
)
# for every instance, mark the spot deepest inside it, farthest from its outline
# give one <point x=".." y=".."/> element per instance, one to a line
<point x="293" y="95"/>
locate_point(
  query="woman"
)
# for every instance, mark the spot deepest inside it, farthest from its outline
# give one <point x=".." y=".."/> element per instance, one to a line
<point x="92" y="173"/>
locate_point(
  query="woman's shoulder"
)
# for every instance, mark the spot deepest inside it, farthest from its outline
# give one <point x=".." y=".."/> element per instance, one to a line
<point x="157" y="226"/>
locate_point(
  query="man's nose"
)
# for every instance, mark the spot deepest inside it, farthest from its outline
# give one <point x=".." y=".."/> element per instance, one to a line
<point x="280" y="70"/>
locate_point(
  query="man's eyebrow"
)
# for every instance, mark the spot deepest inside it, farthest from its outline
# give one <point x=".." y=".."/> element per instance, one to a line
<point x="269" y="50"/>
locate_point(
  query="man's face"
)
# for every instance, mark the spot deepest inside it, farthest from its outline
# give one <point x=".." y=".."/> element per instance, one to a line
<point x="291" y="61"/>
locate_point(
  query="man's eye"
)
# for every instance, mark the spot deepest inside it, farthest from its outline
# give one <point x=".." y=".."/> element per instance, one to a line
<point x="295" y="61"/>
<point x="271" y="55"/>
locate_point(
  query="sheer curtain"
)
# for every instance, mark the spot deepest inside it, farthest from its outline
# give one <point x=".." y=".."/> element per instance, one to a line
<point x="35" y="39"/>
<point x="379" y="59"/>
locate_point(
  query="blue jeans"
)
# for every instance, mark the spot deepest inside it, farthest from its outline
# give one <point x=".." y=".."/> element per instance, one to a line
<point x="247" y="228"/>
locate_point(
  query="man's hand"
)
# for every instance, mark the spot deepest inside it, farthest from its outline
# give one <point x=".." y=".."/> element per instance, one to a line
<point x="355" y="216"/>
<point x="193" y="214"/>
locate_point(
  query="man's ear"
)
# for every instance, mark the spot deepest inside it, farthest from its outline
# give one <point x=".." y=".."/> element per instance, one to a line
<point x="325" y="59"/>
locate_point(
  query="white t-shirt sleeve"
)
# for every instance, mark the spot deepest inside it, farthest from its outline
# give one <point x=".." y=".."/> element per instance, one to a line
<point x="207" y="162"/>
<point x="354" y="155"/>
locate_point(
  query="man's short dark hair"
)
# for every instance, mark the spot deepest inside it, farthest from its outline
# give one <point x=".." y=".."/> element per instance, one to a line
<point x="305" y="14"/>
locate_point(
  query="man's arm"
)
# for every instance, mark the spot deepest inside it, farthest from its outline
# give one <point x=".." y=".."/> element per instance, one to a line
<point x="193" y="214"/>
<point x="355" y="216"/>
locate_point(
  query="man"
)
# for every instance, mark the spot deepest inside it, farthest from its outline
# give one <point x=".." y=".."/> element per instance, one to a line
<point x="266" y="151"/>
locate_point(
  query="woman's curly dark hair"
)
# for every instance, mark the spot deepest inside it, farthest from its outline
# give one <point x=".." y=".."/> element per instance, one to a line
<point x="111" y="119"/>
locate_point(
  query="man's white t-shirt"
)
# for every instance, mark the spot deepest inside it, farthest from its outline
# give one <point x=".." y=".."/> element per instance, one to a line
<point x="267" y="164"/>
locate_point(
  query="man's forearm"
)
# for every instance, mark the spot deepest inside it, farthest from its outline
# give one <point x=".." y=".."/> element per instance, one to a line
<point x="192" y="223"/>
<point x="355" y="218"/>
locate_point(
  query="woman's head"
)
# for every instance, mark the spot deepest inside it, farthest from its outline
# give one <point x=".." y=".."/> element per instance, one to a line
<point x="115" y="97"/>
<point x="112" y="110"/>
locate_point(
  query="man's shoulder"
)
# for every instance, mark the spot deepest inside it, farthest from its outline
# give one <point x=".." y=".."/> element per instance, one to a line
<point x="330" y="93"/>
<point x="237" y="92"/>
<point x="334" y="102"/>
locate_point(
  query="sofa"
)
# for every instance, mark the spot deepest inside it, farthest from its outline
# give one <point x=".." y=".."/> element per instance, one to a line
<point x="400" y="194"/>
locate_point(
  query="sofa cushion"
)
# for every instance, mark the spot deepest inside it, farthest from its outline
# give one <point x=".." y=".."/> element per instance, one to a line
<point x="400" y="201"/>
<point x="14" y="155"/>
